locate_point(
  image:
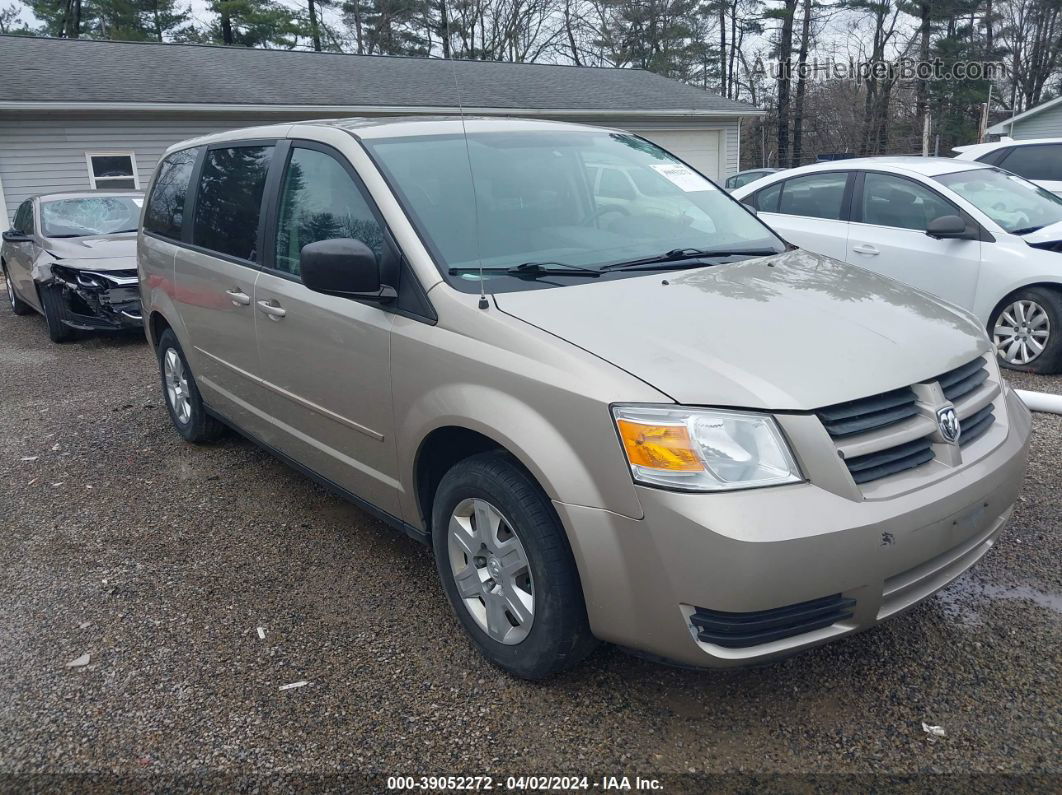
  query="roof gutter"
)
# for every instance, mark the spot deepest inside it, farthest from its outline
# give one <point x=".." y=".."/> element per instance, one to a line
<point x="382" y="110"/>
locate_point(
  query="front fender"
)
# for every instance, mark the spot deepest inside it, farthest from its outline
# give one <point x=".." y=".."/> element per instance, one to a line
<point x="577" y="461"/>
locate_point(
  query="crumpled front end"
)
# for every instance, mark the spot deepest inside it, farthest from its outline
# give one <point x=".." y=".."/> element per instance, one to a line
<point x="98" y="299"/>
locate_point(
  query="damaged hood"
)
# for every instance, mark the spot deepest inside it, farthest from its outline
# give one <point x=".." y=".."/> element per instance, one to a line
<point x="98" y="253"/>
<point x="794" y="331"/>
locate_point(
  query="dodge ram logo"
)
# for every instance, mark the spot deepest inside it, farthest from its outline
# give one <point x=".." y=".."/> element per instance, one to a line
<point x="948" y="422"/>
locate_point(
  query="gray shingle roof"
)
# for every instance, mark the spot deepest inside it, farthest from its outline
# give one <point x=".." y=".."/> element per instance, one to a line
<point x="73" y="71"/>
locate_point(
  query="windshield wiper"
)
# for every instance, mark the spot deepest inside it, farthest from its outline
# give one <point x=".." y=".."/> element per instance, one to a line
<point x="123" y="231"/>
<point x="533" y="269"/>
<point x="668" y="258"/>
<point x="1027" y="230"/>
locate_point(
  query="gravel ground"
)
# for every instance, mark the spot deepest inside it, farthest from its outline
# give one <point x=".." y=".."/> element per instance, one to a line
<point x="160" y="559"/>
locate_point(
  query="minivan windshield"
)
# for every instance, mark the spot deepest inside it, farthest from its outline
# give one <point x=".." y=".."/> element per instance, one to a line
<point x="576" y="200"/>
<point x="1016" y="204"/>
<point x="96" y="215"/>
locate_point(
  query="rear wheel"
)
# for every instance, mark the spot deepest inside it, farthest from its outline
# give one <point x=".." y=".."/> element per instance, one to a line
<point x="507" y="569"/>
<point x="54" y="312"/>
<point x="1027" y="329"/>
<point x="187" y="412"/>
<point x="18" y="306"/>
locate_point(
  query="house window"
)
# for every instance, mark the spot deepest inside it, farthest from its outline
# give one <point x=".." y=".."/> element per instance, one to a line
<point x="115" y="170"/>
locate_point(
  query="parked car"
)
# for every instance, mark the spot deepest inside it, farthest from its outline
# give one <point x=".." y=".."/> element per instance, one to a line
<point x="743" y="178"/>
<point x="972" y="234"/>
<point x="689" y="439"/>
<point x="72" y="257"/>
<point x="1039" y="160"/>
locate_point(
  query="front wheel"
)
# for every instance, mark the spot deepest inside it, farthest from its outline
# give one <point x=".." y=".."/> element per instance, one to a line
<point x="507" y="569"/>
<point x="54" y="311"/>
<point x="1027" y="330"/>
<point x="183" y="401"/>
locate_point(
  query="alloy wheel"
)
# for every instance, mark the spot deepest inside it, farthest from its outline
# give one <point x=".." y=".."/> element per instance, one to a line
<point x="1021" y="332"/>
<point x="491" y="571"/>
<point x="176" y="386"/>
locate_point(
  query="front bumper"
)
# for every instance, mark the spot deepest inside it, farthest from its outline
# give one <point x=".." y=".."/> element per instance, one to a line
<point x="98" y="300"/>
<point x="764" y="549"/>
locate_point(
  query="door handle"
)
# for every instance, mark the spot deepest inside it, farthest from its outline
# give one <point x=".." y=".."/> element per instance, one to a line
<point x="238" y="297"/>
<point x="870" y="251"/>
<point x="273" y="309"/>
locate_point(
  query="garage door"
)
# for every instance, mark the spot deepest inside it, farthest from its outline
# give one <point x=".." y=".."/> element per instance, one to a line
<point x="699" y="148"/>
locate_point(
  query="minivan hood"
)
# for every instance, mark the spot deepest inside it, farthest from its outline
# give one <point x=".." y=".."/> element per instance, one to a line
<point x="789" y="332"/>
<point x="119" y="251"/>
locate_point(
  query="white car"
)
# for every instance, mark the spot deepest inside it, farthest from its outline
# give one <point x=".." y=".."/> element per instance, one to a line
<point x="970" y="233"/>
<point x="1039" y="160"/>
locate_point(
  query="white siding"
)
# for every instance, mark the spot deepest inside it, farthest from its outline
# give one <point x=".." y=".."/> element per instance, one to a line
<point x="1046" y="124"/>
<point x="41" y="154"/>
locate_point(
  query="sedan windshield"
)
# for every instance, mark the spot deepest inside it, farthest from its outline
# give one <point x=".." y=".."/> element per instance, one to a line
<point x="96" y="215"/>
<point x="1014" y="203"/>
<point x="580" y="199"/>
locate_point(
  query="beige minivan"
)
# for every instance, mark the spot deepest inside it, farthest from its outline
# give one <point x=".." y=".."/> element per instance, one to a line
<point x="668" y="430"/>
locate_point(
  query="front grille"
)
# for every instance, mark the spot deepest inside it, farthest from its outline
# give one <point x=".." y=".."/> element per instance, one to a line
<point x="975" y="426"/>
<point x="890" y="461"/>
<point x="741" y="630"/>
<point x="866" y="414"/>
<point x="889" y="433"/>
<point x="963" y="380"/>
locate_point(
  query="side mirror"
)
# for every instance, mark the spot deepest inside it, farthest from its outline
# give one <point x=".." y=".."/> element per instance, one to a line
<point x="11" y="236"/>
<point x="750" y="208"/>
<point x="947" y="226"/>
<point x="343" y="267"/>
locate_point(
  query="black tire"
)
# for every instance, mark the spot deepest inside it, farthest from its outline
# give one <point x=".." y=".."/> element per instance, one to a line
<point x="199" y="426"/>
<point x="18" y="306"/>
<point x="54" y="312"/>
<point x="559" y="635"/>
<point x="1050" y="359"/>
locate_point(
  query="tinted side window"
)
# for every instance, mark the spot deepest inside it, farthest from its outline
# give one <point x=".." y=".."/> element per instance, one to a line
<point x="319" y="201"/>
<point x="994" y="156"/>
<point x="165" y="211"/>
<point x="893" y="201"/>
<point x="767" y="199"/>
<point x="227" y="208"/>
<point x="815" y="195"/>
<point x="1042" y="161"/>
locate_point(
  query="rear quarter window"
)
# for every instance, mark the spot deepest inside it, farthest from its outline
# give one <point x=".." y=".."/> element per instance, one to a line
<point x="228" y="206"/>
<point x="165" y="211"/>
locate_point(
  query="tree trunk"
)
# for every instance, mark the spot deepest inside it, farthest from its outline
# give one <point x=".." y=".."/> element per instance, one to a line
<point x="922" y="86"/>
<point x="75" y="25"/>
<point x="570" y="32"/>
<point x="798" y="109"/>
<point x="444" y="28"/>
<point x="785" y="58"/>
<point x="722" y="50"/>
<point x="226" y="27"/>
<point x="315" y="30"/>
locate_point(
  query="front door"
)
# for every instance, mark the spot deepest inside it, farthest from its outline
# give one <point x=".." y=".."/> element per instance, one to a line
<point x="20" y="256"/>
<point x="327" y="359"/>
<point x="888" y="235"/>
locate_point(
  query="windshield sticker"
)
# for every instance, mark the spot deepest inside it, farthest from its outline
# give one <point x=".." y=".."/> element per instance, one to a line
<point x="683" y="178"/>
<point x="138" y="202"/>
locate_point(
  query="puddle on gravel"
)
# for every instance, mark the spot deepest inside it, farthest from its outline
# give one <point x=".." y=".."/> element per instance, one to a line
<point x="962" y="598"/>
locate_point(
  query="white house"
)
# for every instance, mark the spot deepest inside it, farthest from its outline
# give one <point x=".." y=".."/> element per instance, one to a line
<point x="1042" y="121"/>
<point x="78" y="114"/>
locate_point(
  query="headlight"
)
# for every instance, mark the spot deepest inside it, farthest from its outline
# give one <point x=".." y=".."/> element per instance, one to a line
<point x="704" y="449"/>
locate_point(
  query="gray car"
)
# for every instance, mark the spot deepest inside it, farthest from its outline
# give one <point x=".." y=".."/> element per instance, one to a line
<point x="72" y="257"/>
<point x="676" y="433"/>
